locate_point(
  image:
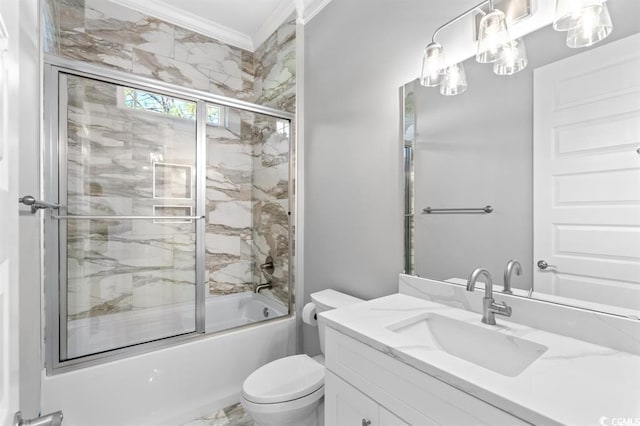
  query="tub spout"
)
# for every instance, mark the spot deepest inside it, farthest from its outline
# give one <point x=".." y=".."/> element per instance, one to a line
<point x="258" y="287"/>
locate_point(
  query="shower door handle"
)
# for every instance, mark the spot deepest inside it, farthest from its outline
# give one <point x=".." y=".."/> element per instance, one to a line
<point x="29" y="200"/>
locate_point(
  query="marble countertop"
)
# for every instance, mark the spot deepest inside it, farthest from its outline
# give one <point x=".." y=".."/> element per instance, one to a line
<point x="573" y="382"/>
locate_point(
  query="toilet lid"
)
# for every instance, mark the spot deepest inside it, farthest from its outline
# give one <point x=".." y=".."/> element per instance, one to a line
<point x="284" y="379"/>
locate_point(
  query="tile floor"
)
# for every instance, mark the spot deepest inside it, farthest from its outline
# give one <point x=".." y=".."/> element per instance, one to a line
<point x="230" y="416"/>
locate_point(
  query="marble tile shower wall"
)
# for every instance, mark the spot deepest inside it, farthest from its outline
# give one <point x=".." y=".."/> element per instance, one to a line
<point x="271" y="202"/>
<point x="229" y="255"/>
<point x="101" y="32"/>
<point x="274" y="85"/>
<point x="275" y="68"/>
<point x="247" y="162"/>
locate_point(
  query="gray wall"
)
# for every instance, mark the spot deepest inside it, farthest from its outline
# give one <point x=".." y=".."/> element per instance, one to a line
<point x="472" y="150"/>
<point x="355" y="61"/>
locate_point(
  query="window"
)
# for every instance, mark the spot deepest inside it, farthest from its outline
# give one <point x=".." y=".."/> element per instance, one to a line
<point x="155" y="102"/>
<point x="282" y="127"/>
<point x="214" y="115"/>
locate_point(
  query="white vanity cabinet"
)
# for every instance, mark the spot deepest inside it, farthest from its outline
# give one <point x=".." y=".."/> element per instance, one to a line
<point x="366" y="385"/>
<point x="345" y="405"/>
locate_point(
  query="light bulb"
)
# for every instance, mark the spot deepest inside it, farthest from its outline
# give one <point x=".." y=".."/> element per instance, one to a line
<point x="512" y="58"/>
<point x="492" y="35"/>
<point x="454" y="81"/>
<point x="568" y="12"/>
<point x="433" y="64"/>
<point x="593" y="26"/>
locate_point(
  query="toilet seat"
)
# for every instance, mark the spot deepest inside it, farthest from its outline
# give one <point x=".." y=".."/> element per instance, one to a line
<point x="282" y="380"/>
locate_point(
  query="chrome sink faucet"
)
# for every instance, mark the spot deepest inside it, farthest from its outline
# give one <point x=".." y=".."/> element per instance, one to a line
<point x="489" y="305"/>
<point x="511" y="266"/>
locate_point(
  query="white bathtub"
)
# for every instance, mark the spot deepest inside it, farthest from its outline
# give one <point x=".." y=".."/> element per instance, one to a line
<point x="179" y="383"/>
<point x="101" y="333"/>
<point x="235" y="310"/>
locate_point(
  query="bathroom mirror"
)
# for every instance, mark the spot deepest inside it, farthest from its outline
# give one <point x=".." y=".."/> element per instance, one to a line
<point x="553" y="151"/>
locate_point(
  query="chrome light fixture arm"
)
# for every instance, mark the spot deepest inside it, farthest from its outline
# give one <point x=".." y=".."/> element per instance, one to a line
<point x="477" y="7"/>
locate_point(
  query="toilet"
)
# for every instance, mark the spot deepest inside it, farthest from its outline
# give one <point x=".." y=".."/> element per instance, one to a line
<point x="290" y="390"/>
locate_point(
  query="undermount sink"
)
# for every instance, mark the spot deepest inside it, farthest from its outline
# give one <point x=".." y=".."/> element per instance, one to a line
<point x="502" y="353"/>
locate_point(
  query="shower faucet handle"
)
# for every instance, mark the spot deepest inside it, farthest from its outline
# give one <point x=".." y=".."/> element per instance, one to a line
<point x="268" y="267"/>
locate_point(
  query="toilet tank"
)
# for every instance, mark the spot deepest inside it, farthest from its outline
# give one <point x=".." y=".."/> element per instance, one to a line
<point x="326" y="300"/>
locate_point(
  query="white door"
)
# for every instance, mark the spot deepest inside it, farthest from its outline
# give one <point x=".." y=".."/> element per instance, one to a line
<point x="587" y="175"/>
<point x="9" y="129"/>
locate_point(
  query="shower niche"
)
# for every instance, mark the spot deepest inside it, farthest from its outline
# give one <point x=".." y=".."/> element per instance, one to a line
<point x="171" y="200"/>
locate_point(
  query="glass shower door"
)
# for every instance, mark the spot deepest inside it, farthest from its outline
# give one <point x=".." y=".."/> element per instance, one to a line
<point x="127" y="239"/>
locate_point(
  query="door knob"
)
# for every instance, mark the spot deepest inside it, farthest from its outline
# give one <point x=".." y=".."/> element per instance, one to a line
<point x="366" y="422"/>
<point x="543" y="265"/>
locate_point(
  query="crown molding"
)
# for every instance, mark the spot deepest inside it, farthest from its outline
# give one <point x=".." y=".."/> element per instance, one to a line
<point x="306" y="10"/>
<point x="279" y="15"/>
<point x="190" y="21"/>
<point x="310" y="8"/>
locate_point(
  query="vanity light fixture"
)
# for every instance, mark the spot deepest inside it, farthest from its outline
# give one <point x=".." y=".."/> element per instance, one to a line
<point x="494" y="46"/>
<point x="585" y="21"/>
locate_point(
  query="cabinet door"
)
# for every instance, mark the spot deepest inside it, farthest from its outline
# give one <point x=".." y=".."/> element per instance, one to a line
<point x="387" y="418"/>
<point x="345" y="405"/>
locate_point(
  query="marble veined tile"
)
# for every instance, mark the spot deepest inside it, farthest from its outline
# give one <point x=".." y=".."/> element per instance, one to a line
<point x="218" y="180"/>
<point x="169" y="70"/>
<point x="108" y="15"/>
<point x="96" y="293"/>
<point x="161" y="292"/>
<point x="225" y="64"/>
<point x="232" y="214"/>
<point x="275" y="71"/>
<point x="87" y="48"/>
<point x="233" y="415"/>
<point x="216" y="243"/>
<point x="271" y="183"/>
<point x="70" y="14"/>
<point x="230" y="156"/>
<point x="198" y="49"/>
<point x="234" y="273"/>
<point x="127" y="27"/>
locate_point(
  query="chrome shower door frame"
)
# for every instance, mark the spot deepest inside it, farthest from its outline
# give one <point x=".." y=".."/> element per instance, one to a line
<point x="54" y="188"/>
